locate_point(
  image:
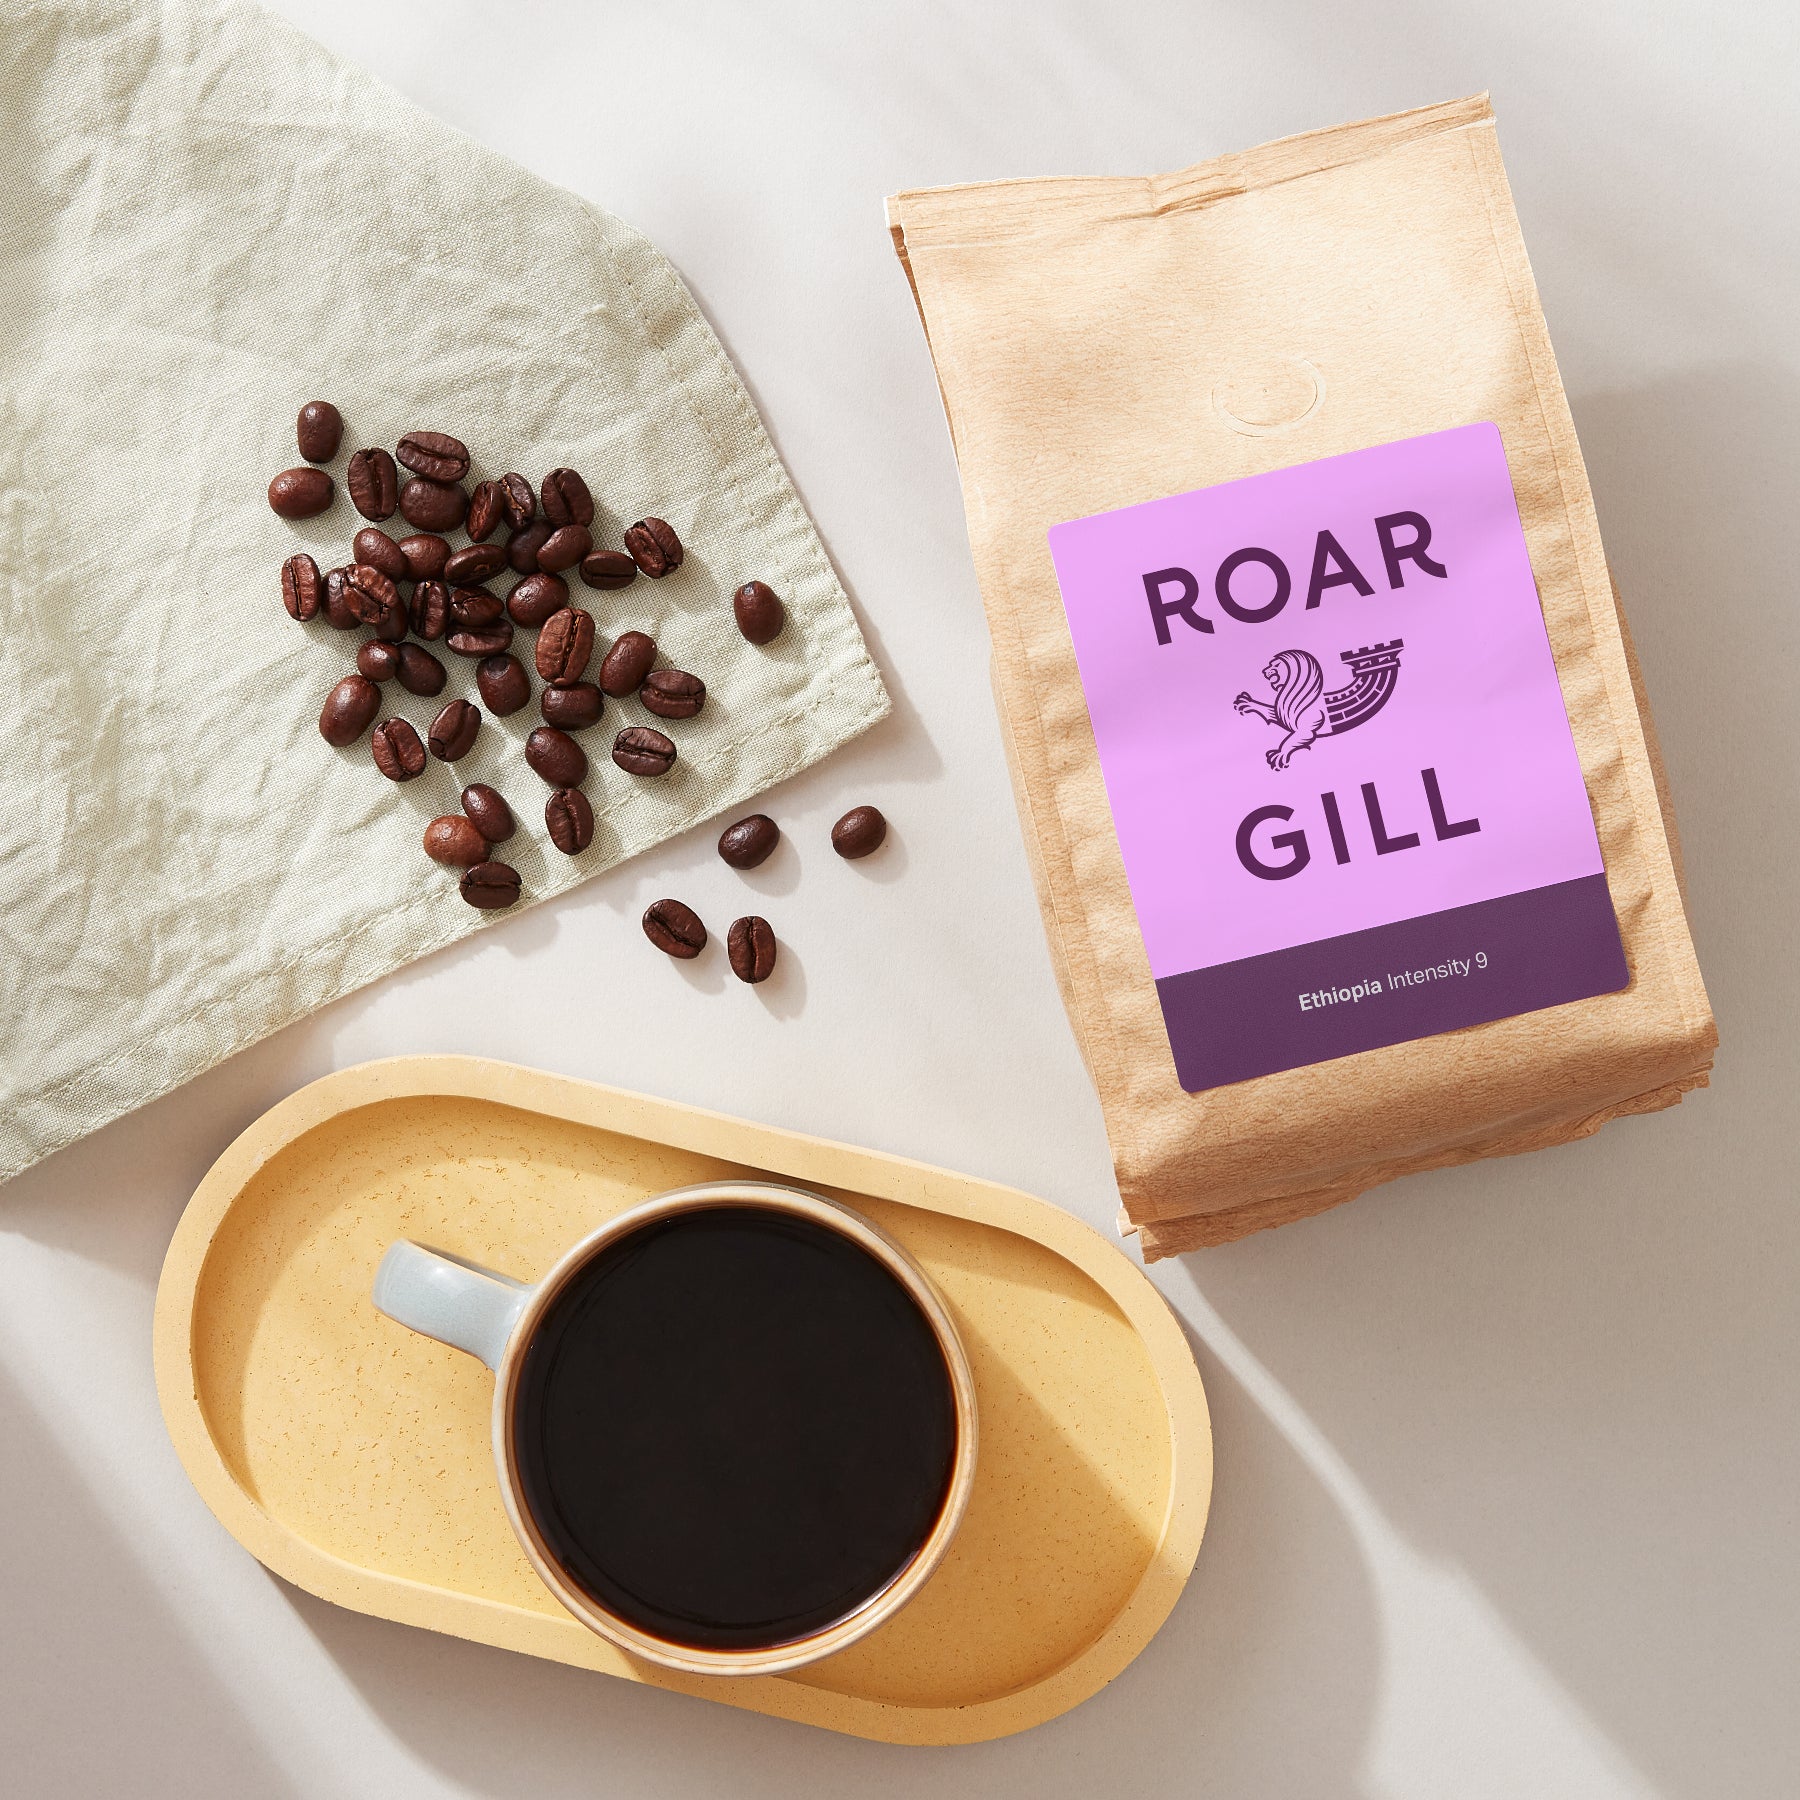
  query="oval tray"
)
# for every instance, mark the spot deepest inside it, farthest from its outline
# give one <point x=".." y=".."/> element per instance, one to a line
<point x="351" y="1456"/>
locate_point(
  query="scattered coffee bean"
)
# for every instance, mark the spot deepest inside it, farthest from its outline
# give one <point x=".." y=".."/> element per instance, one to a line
<point x="397" y="751"/>
<point x="517" y="501"/>
<point x="571" y="708"/>
<point x="535" y="598"/>
<point x="654" y="547"/>
<point x="557" y="757"/>
<point x="373" y="546"/>
<point x="566" y="498"/>
<point x="475" y="562"/>
<point x="391" y="626"/>
<point x="750" y="841"/>
<point x="379" y="661"/>
<point x="434" y="454"/>
<point x="569" y="820"/>
<point x="320" y="429"/>
<point x="488" y="812"/>
<point x="624" y="666"/>
<point x="564" y="547"/>
<point x="505" y="687"/>
<point x="433" y="505"/>
<point x="674" y="928"/>
<point x="454" y="840"/>
<point x="608" y="569"/>
<point x="430" y="609"/>
<point x="420" y="672"/>
<point x="425" y="553"/>
<point x="337" y="605"/>
<point x="348" y="710"/>
<point x="490" y="885"/>
<point x="759" y="612"/>
<point x="858" y="832"/>
<point x="454" y="730"/>
<point x="474" y="608"/>
<point x="486" y="510"/>
<point x="750" y="945"/>
<point x="523" y="546"/>
<point x="374" y="484"/>
<point x="368" y="593"/>
<point x="672" y="694"/>
<point x="302" y="587"/>
<point x="640" y="751"/>
<point x="564" y="646"/>
<point x="481" y="640"/>
<point x="301" y="493"/>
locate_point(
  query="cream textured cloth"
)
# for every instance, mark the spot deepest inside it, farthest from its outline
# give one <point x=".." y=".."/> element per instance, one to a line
<point x="208" y="220"/>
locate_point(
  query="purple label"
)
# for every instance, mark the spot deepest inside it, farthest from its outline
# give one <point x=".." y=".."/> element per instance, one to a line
<point x="1331" y="732"/>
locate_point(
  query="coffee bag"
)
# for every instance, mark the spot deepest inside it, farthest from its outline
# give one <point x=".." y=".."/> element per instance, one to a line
<point x="1339" y="787"/>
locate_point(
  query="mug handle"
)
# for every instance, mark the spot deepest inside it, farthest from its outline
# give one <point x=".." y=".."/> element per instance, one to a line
<point x="458" y="1303"/>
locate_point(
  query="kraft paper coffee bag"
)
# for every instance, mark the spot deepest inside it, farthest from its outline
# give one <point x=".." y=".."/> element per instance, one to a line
<point x="1340" y="791"/>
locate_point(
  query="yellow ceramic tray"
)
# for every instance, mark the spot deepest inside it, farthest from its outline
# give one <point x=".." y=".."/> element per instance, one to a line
<point x="351" y="1456"/>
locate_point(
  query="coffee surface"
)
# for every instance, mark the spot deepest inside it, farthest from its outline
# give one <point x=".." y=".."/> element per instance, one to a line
<point x="734" y="1427"/>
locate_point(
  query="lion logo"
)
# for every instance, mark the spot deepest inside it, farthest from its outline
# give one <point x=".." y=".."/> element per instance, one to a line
<point x="1300" y="707"/>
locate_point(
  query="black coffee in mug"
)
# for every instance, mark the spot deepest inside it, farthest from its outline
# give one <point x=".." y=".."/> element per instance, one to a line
<point x="734" y="1427"/>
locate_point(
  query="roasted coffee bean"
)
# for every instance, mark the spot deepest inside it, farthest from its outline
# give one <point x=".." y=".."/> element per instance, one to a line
<point x="454" y="840"/>
<point x="569" y="820"/>
<point x="488" y="812"/>
<point x="348" y="709"/>
<point x="640" y="751"/>
<point x="301" y="493"/>
<point x="557" y="757"/>
<point x="373" y="546"/>
<point x="564" y="547"/>
<point x="374" y="484"/>
<point x="517" y="501"/>
<point x="535" y="598"/>
<point x="425" y="553"/>
<point x="379" y="661"/>
<point x="481" y="640"/>
<point x="566" y="498"/>
<point x="454" y="730"/>
<point x="674" y="928"/>
<point x="486" y="510"/>
<point x="320" y="429"/>
<point x="337" y="605"/>
<point x="759" y="612"/>
<point x="523" y="546"/>
<point x="858" y="832"/>
<point x="490" y="885"/>
<point x="572" y="708"/>
<point x="505" y="686"/>
<point x="475" y="562"/>
<point x="302" y="587"/>
<point x="369" y="593"/>
<point x="672" y="694"/>
<point x="474" y="608"/>
<point x="750" y="841"/>
<point x="390" y="628"/>
<point x="420" y="672"/>
<point x="433" y="505"/>
<point x="654" y="546"/>
<point x="624" y="666"/>
<point x="397" y="751"/>
<point x="564" y="646"/>
<point x="434" y="454"/>
<point x="608" y="569"/>
<point x="430" y="610"/>
<point x="750" y="945"/>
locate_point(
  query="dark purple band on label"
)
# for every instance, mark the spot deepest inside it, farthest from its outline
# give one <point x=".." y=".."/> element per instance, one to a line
<point x="1545" y="947"/>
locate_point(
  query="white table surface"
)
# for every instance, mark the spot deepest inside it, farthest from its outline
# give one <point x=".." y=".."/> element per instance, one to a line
<point x="1506" y="1456"/>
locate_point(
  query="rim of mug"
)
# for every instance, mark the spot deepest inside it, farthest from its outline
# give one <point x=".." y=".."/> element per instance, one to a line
<point x="877" y="1608"/>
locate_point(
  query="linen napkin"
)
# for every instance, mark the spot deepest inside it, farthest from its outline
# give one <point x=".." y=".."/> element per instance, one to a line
<point x="209" y="219"/>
